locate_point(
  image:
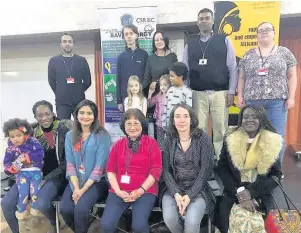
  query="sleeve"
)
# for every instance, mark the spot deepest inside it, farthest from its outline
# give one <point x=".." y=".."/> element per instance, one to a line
<point x="8" y="162"/>
<point x="101" y="157"/>
<point x="290" y="58"/>
<point x="52" y="75"/>
<point x="206" y="164"/>
<point x="125" y="103"/>
<point x="71" y="166"/>
<point x="144" y="106"/>
<point x="232" y="67"/>
<point x="156" y="161"/>
<point x="147" y="75"/>
<point x="86" y="75"/>
<point x="61" y="169"/>
<point x="36" y="155"/>
<point x="118" y="80"/>
<point x="185" y="56"/>
<point x="112" y="161"/>
<point x="265" y="183"/>
<point x="224" y="172"/>
<point x="168" y="178"/>
<point x="189" y="97"/>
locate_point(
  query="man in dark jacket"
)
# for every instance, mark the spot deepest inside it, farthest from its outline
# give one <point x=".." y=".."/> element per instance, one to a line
<point x="69" y="77"/>
<point x="50" y="132"/>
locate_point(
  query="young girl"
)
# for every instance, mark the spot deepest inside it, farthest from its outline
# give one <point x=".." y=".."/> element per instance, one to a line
<point x="135" y="97"/>
<point x="23" y="157"/>
<point x="160" y="101"/>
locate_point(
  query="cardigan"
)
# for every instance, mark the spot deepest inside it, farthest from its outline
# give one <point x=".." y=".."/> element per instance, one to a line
<point x="95" y="149"/>
<point x="203" y="156"/>
<point x="146" y="161"/>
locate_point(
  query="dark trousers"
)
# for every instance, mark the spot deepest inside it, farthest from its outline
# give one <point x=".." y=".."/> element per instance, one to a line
<point x="51" y="190"/>
<point x="64" y="111"/>
<point x="141" y="210"/>
<point x="77" y="216"/>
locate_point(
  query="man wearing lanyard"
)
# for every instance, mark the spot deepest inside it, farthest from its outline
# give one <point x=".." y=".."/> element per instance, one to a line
<point x="212" y="77"/>
<point x="69" y="77"/>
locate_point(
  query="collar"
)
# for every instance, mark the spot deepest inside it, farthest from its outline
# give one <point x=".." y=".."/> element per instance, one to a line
<point x="38" y="132"/>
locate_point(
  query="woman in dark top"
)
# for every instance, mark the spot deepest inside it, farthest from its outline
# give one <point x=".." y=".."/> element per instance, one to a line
<point x="248" y="161"/>
<point x="158" y="63"/>
<point x="187" y="166"/>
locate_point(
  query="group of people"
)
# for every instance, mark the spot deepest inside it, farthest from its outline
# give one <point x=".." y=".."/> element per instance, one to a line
<point x="76" y="161"/>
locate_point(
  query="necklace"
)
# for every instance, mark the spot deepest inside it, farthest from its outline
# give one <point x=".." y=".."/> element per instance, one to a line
<point x="185" y="140"/>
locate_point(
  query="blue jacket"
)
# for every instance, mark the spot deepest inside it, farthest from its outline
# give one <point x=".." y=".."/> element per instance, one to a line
<point x="96" y="150"/>
<point x="129" y="63"/>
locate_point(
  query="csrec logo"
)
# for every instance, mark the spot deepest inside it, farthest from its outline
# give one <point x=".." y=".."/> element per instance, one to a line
<point x="126" y="19"/>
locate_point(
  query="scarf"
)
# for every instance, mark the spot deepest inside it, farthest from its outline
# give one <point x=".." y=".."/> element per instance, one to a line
<point x="134" y="145"/>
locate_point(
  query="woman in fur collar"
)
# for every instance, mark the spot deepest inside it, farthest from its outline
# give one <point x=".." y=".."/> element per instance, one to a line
<point x="248" y="161"/>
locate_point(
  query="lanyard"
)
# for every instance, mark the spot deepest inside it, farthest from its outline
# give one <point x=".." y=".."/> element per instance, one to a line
<point x="263" y="62"/>
<point x="128" y="159"/>
<point x="204" y="50"/>
<point x="69" y="72"/>
<point x="82" y="153"/>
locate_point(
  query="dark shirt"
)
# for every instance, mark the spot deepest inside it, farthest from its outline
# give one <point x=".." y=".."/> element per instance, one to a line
<point x="59" y="69"/>
<point x="129" y="63"/>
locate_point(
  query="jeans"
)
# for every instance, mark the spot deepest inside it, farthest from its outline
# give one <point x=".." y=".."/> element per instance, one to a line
<point x="28" y="183"/>
<point x="51" y="190"/>
<point x="277" y="114"/>
<point x="141" y="210"/>
<point x="193" y="216"/>
<point x="77" y="216"/>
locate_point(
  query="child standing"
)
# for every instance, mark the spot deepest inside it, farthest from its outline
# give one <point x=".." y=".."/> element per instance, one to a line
<point x="23" y="157"/>
<point x="135" y="97"/>
<point x="160" y="101"/>
<point x="178" y="92"/>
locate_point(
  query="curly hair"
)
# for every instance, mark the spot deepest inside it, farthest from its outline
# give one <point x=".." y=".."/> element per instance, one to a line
<point x="261" y="115"/>
<point x="180" y="69"/>
<point x="16" y="123"/>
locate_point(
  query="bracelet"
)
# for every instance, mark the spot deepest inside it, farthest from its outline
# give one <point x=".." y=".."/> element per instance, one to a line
<point x="143" y="189"/>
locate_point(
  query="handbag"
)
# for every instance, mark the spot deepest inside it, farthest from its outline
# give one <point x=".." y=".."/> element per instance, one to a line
<point x="283" y="221"/>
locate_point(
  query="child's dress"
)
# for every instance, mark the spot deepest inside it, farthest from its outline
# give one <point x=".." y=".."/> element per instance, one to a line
<point x="28" y="173"/>
<point x="160" y="101"/>
<point x="136" y="103"/>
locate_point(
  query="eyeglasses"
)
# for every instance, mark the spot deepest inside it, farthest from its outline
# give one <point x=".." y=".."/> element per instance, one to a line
<point x="130" y="125"/>
<point x="265" y="30"/>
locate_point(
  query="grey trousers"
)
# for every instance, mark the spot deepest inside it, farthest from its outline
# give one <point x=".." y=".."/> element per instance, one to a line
<point x="193" y="217"/>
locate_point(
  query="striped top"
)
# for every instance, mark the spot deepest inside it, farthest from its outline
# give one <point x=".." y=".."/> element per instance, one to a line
<point x="95" y="151"/>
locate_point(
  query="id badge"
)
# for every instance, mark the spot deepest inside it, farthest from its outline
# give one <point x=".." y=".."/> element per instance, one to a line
<point x="263" y="71"/>
<point x="70" y="79"/>
<point x="203" y="62"/>
<point x="125" y="179"/>
<point x="82" y="169"/>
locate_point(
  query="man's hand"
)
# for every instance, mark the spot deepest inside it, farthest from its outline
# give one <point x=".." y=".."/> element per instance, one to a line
<point x="120" y="107"/>
<point x="248" y="205"/>
<point x="230" y="100"/>
<point x="290" y="103"/>
<point x="243" y="196"/>
<point x="241" y="102"/>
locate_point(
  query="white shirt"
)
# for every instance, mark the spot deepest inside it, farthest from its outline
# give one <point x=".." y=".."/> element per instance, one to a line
<point x="136" y="103"/>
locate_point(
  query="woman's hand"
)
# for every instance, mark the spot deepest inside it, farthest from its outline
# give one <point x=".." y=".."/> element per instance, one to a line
<point x="185" y="203"/>
<point x="134" y="195"/>
<point x="77" y="194"/>
<point x="248" y="205"/>
<point x="122" y="194"/>
<point x="243" y="196"/>
<point x="179" y="201"/>
<point x="152" y="86"/>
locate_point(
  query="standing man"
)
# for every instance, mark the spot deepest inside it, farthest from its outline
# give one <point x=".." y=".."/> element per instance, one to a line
<point x="69" y="77"/>
<point x="212" y="77"/>
<point x="130" y="62"/>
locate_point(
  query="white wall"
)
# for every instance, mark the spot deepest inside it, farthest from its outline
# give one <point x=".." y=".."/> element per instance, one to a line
<point x="24" y="79"/>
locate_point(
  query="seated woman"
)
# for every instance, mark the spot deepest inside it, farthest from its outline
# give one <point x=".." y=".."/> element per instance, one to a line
<point x="248" y="161"/>
<point x="87" y="148"/>
<point x="188" y="160"/>
<point x="134" y="169"/>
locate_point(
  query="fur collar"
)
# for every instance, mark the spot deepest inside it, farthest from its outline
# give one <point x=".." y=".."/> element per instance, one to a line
<point x="270" y="145"/>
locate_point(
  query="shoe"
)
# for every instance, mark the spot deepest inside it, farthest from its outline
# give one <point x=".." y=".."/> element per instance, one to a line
<point x="22" y="221"/>
<point x="52" y="229"/>
<point x="34" y="219"/>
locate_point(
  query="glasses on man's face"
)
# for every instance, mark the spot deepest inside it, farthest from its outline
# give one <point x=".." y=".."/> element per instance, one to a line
<point x="265" y="30"/>
<point x="130" y="125"/>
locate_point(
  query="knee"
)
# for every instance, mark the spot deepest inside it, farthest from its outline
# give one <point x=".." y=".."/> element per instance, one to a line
<point x="107" y="225"/>
<point x="81" y="209"/>
<point x="140" y="225"/>
<point x="170" y="217"/>
<point x="65" y="209"/>
<point x="43" y="204"/>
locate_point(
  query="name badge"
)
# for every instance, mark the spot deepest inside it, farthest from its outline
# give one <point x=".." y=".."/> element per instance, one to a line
<point x="82" y="169"/>
<point x="203" y="62"/>
<point x="70" y="80"/>
<point x="125" y="179"/>
<point x="263" y="71"/>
